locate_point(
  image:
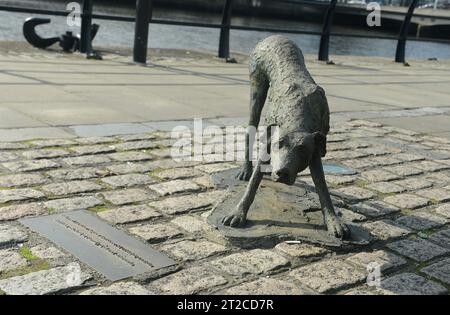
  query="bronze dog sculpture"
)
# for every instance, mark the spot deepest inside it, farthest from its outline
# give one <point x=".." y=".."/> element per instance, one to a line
<point x="298" y="107"/>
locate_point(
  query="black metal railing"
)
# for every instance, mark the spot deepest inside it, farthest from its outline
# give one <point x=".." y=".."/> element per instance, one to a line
<point x="144" y="18"/>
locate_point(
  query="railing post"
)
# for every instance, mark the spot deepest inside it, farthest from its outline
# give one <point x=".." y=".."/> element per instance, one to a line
<point x="224" y="41"/>
<point x="326" y="29"/>
<point x="143" y="16"/>
<point x="401" y="44"/>
<point x="86" y="24"/>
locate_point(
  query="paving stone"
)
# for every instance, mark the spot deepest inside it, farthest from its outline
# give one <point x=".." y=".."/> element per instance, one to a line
<point x="189" y="281"/>
<point x="407" y="201"/>
<point x="127" y="196"/>
<point x="340" y="155"/>
<point x="256" y="261"/>
<point x="340" y="180"/>
<point x="136" y="145"/>
<point x="378" y="151"/>
<point x="176" y="205"/>
<point x="19" y="180"/>
<point x="411" y="284"/>
<point x="267" y="286"/>
<point x="383" y="160"/>
<point x="30" y="166"/>
<point x="154" y="233"/>
<point x="386" y="229"/>
<point x="128" y="180"/>
<point x="87" y="160"/>
<point x="193" y="250"/>
<point x="19" y="211"/>
<point x="413" y="183"/>
<point x="70" y="204"/>
<point x="400" y="130"/>
<point x="198" y="226"/>
<point x="439" y="270"/>
<point x="327" y="275"/>
<point x="421" y="220"/>
<point x="95" y="140"/>
<point x="162" y="153"/>
<point x="407" y="157"/>
<point x="72" y="187"/>
<point x="120" y="288"/>
<point x="386" y="187"/>
<point x="418" y="249"/>
<point x="438" y="194"/>
<point x="177" y="173"/>
<point x="353" y="193"/>
<point x="92" y="149"/>
<point x="430" y="166"/>
<point x="10" y="260"/>
<point x="13" y="146"/>
<point x="405" y="137"/>
<point x="441" y="238"/>
<point x="350" y="216"/>
<point x="366" y="123"/>
<point x="45" y="154"/>
<point x="130" y="156"/>
<point x="19" y="195"/>
<point x="10" y="234"/>
<point x="301" y="250"/>
<point x="435" y="139"/>
<point x="174" y="186"/>
<point x="52" y="143"/>
<point x="214" y="168"/>
<point x="384" y="259"/>
<point x="74" y="174"/>
<point x="137" y="137"/>
<point x="169" y="163"/>
<point x="204" y="181"/>
<point x="378" y="176"/>
<point x="46" y="252"/>
<point x="129" y="214"/>
<point x="44" y="282"/>
<point x="8" y="156"/>
<point x="374" y="209"/>
<point x="403" y="170"/>
<point x="439" y="178"/>
<point x="444" y="210"/>
<point x="130" y="167"/>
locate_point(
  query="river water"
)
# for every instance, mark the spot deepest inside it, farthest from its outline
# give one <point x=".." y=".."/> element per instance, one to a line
<point x="120" y="34"/>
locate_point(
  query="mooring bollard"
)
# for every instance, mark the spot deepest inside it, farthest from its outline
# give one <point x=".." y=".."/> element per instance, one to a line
<point x="326" y="29"/>
<point x="86" y="24"/>
<point x="401" y="45"/>
<point x="224" y="41"/>
<point x="143" y="16"/>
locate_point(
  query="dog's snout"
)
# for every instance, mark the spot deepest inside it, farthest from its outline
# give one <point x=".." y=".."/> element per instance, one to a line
<point x="282" y="173"/>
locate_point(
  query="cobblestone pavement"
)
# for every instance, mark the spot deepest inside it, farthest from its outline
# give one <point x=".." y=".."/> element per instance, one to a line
<point x="401" y="194"/>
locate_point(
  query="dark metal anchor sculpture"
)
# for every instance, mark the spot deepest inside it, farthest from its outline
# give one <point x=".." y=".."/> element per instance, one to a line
<point x="68" y="42"/>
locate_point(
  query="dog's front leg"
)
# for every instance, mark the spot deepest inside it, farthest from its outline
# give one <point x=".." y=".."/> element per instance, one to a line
<point x="331" y="220"/>
<point x="238" y="217"/>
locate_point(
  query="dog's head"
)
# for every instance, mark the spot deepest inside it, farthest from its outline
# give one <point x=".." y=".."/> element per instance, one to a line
<point x="291" y="153"/>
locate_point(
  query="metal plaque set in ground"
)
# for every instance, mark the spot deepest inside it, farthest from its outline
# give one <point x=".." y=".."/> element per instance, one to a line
<point x="106" y="249"/>
<point x="278" y="213"/>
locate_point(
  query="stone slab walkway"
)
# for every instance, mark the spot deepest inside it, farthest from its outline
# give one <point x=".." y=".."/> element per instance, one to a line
<point x="53" y="95"/>
<point x="400" y="193"/>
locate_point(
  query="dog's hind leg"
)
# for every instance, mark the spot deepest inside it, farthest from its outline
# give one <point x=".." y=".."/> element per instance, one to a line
<point x="258" y="93"/>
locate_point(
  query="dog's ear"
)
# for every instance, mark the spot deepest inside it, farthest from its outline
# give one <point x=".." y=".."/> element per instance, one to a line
<point x="320" y="141"/>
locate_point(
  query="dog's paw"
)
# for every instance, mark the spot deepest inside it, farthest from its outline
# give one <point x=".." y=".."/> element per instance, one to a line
<point x="336" y="227"/>
<point x="235" y="220"/>
<point x="246" y="173"/>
